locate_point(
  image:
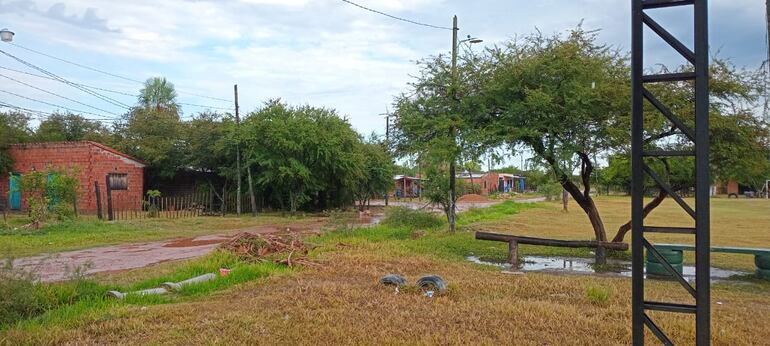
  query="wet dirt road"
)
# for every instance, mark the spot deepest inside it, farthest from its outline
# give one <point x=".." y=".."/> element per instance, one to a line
<point x="60" y="266"/>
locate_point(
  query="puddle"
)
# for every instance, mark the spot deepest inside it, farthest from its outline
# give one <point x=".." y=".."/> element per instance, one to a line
<point x="579" y="265"/>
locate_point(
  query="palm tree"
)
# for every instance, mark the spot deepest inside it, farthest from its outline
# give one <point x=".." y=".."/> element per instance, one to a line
<point x="158" y="93"/>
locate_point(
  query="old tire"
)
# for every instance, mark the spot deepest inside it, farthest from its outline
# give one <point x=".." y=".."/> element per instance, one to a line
<point x="393" y="280"/>
<point x="763" y="273"/>
<point x="672" y="256"/>
<point x="762" y="261"/>
<point x="658" y="269"/>
<point x="432" y="282"/>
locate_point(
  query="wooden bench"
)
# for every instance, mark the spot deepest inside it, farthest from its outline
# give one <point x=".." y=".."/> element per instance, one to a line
<point x="674" y="251"/>
<point x="514" y="241"/>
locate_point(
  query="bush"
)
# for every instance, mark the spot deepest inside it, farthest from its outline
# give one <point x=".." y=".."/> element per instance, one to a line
<point x="413" y="219"/>
<point x="21" y="297"/>
<point x="551" y="190"/>
<point x="18" y="298"/>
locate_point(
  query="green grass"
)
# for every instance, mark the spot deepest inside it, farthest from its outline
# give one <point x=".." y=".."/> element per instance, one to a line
<point x="90" y="232"/>
<point x="598" y="295"/>
<point x="70" y="302"/>
<point x="407" y="239"/>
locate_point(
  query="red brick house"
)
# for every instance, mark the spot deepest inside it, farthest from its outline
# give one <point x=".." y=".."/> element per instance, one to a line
<point x="406" y="186"/>
<point x="91" y="161"/>
<point x="491" y="182"/>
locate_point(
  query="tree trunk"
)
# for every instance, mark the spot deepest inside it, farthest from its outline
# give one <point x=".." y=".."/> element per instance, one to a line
<point x="564" y="200"/>
<point x="251" y="192"/>
<point x="654" y="203"/>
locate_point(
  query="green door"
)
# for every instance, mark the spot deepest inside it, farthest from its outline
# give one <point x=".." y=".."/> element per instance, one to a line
<point x="14" y="194"/>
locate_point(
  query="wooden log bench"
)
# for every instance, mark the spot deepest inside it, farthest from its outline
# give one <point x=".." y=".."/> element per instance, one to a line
<point x="514" y="241"/>
<point x="673" y="253"/>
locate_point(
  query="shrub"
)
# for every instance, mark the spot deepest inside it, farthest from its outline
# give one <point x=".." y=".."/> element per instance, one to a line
<point x="413" y="219"/>
<point x="551" y="190"/>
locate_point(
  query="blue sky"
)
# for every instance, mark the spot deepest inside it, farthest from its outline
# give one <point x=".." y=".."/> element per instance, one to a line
<point x="321" y="52"/>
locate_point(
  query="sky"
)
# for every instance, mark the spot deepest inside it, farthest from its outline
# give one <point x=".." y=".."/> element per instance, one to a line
<point x="318" y="52"/>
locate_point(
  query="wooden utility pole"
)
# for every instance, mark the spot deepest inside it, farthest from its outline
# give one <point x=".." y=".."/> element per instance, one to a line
<point x="237" y="152"/>
<point x="387" y="144"/>
<point x="452" y="131"/>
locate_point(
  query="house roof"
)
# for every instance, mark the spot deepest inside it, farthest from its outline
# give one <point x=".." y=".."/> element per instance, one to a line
<point x="79" y="143"/>
<point x="401" y="176"/>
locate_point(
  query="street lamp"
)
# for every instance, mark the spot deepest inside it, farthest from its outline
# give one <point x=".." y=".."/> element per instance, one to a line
<point x="6" y="35"/>
<point x="472" y="40"/>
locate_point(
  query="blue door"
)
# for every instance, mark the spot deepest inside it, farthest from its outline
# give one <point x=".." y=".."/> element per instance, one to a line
<point x="14" y="194"/>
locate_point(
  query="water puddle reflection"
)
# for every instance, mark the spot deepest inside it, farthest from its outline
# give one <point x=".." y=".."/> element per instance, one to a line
<point x="579" y="265"/>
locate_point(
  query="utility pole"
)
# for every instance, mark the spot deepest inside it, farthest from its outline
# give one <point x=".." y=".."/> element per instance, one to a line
<point x="387" y="144"/>
<point x="453" y="163"/>
<point x="237" y="152"/>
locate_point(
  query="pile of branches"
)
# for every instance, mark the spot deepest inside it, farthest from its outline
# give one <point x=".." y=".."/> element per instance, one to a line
<point x="287" y="249"/>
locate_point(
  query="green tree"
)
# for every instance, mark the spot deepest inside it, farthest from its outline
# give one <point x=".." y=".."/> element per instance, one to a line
<point x="159" y="94"/>
<point x="70" y="127"/>
<point x="14" y="128"/>
<point x="153" y="131"/>
<point x="437" y="117"/>
<point x="302" y="154"/>
<point x="565" y="99"/>
<point x="377" y="169"/>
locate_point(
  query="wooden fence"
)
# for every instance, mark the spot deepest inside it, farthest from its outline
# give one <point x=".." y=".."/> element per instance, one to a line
<point x="122" y="207"/>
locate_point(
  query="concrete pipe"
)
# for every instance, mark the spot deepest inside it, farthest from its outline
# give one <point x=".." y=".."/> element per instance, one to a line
<point x="176" y="286"/>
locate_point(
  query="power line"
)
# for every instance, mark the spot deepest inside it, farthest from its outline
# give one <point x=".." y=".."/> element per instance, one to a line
<point x="110" y="73"/>
<point x="57" y="95"/>
<point x="204" y="106"/>
<point x="76" y="64"/>
<point x="46" y="114"/>
<point x="75" y="85"/>
<point x="108" y="90"/>
<point x="396" y="18"/>
<point x="51" y="104"/>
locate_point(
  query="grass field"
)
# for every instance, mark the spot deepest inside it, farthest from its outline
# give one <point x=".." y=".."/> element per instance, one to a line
<point x="341" y="302"/>
<point x="89" y="232"/>
<point x="734" y="222"/>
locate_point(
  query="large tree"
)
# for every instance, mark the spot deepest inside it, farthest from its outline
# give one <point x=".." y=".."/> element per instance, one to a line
<point x="302" y="155"/>
<point x="152" y="131"/>
<point x="70" y="127"/>
<point x="436" y="120"/>
<point x="566" y="99"/>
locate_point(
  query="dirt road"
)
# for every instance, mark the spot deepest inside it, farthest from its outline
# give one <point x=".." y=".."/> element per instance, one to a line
<point x="61" y="266"/>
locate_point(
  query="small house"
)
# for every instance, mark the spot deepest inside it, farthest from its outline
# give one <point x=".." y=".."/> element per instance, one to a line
<point x="92" y="163"/>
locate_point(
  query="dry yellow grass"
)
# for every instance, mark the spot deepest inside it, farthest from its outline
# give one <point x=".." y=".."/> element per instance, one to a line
<point x="342" y="303"/>
<point x="734" y="222"/>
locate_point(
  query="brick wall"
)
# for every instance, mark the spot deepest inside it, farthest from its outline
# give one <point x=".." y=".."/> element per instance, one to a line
<point x="90" y="161"/>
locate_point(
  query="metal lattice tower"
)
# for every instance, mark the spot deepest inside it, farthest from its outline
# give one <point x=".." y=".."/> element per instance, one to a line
<point x="699" y="136"/>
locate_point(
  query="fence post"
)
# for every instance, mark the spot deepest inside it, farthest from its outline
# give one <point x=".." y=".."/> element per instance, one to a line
<point x="98" y="200"/>
<point x="110" y="211"/>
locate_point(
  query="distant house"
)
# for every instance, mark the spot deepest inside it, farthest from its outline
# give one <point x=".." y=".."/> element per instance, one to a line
<point x="491" y="182"/>
<point x="93" y="163"/>
<point x="406" y="186"/>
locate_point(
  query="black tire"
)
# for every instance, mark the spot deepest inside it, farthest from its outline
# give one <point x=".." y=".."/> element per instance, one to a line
<point x="762" y="261"/>
<point x="432" y="282"/>
<point x="393" y="280"/>
<point x="657" y="269"/>
<point x="672" y="256"/>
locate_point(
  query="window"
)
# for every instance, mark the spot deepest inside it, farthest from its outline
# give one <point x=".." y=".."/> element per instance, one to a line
<point x="117" y="181"/>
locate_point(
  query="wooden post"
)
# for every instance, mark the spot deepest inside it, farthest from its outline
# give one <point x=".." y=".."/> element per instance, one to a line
<point x="513" y="254"/>
<point x="110" y="211"/>
<point x="98" y="200"/>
